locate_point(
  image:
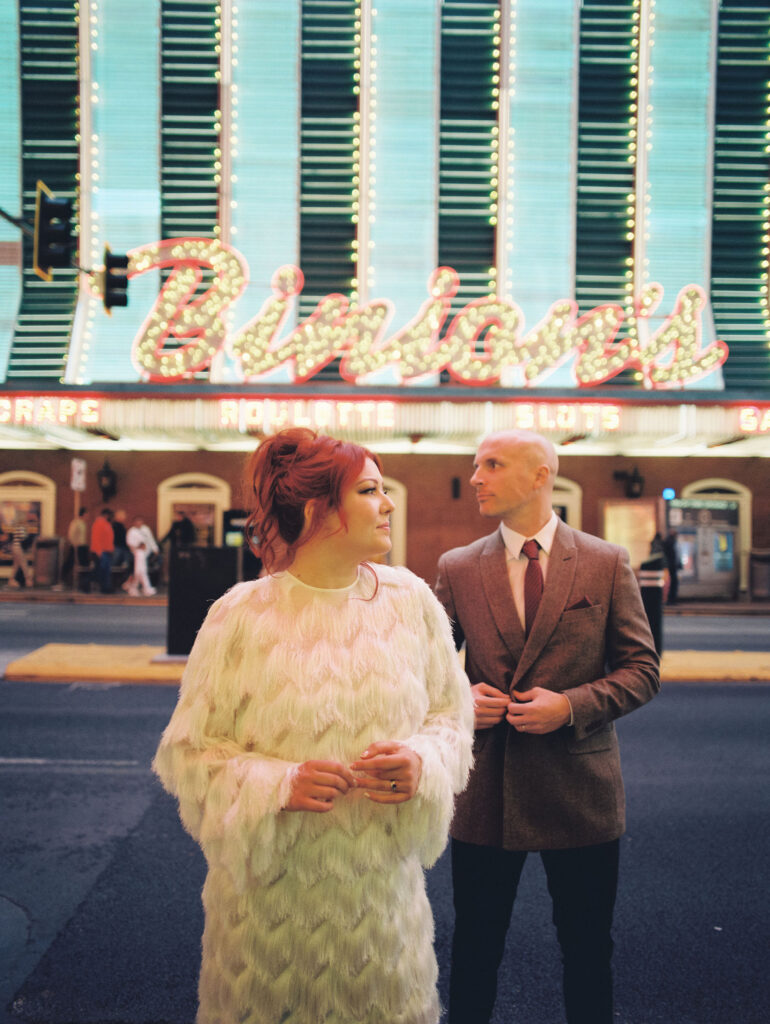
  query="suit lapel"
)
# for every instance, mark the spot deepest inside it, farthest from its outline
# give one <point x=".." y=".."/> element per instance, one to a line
<point x="497" y="589"/>
<point x="562" y="565"/>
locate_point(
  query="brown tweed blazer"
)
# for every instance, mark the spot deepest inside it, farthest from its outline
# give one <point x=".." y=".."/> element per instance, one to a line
<point x="590" y="640"/>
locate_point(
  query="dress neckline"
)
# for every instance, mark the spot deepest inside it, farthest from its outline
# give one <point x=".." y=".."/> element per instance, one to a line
<point x="324" y="590"/>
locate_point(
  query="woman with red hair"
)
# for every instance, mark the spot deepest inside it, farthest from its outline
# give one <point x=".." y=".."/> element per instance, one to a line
<point x="323" y="727"/>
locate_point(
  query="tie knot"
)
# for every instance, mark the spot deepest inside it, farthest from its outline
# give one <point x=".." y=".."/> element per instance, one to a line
<point x="531" y="549"/>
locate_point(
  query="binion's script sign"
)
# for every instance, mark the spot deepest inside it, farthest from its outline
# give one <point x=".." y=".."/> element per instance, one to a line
<point x="482" y="344"/>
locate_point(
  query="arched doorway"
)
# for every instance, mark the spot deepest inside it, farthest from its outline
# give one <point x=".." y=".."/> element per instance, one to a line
<point x="729" y="490"/>
<point x="397" y="492"/>
<point x="203" y="498"/>
<point x="31" y="496"/>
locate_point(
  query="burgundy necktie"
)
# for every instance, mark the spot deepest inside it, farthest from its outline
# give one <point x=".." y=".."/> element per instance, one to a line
<point x="533" y="583"/>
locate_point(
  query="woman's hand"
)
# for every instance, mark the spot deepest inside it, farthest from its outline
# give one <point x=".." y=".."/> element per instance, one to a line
<point x="317" y="784"/>
<point x="392" y="772"/>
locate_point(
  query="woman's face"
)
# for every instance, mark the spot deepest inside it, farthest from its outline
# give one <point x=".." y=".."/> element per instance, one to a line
<point x="366" y="510"/>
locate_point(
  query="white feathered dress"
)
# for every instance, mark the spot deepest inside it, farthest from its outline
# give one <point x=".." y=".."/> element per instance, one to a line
<point x="317" y="918"/>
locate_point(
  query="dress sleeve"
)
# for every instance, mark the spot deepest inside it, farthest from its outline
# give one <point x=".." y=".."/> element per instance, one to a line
<point x="229" y="797"/>
<point x="445" y="739"/>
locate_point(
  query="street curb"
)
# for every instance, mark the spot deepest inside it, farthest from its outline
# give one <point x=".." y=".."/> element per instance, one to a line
<point x="102" y="663"/>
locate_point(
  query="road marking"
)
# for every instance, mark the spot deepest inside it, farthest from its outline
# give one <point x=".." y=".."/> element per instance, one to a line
<point x="67" y="763"/>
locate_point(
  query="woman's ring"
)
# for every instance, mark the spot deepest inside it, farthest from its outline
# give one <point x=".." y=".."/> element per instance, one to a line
<point x="393" y="785"/>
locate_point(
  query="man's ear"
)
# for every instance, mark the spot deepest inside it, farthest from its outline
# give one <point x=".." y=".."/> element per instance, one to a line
<point x="542" y="475"/>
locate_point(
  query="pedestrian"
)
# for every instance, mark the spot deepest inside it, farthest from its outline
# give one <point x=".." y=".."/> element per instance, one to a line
<point x="78" y="560"/>
<point x="102" y="547"/>
<point x="142" y="545"/>
<point x="181" y="533"/>
<point x="19" y="562"/>
<point x="673" y="564"/>
<point x="557" y="646"/>
<point x="322" y="730"/>
<point x="657" y="547"/>
<point x="121" y="558"/>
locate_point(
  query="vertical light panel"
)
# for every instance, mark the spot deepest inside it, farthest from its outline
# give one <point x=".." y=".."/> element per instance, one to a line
<point x="740" y="239"/>
<point x="403" y="184"/>
<point x="537" y="265"/>
<point x="330" y="200"/>
<point x="471" y="50"/>
<point x="674" y="214"/>
<point x="48" y="151"/>
<point x="120" y="178"/>
<point x="265" y="145"/>
<point x="607" y="156"/>
<point x="10" y="179"/>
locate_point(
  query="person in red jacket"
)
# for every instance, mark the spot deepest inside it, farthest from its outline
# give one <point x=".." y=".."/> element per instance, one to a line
<point x="102" y="546"/>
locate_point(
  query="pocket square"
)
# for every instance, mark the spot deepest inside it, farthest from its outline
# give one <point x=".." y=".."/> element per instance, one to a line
<point x="582" y="603"/>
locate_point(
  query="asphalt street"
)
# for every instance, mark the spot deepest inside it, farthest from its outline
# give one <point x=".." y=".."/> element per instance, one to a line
<point x="100" y="909"/>
<point x="100" y="916"/>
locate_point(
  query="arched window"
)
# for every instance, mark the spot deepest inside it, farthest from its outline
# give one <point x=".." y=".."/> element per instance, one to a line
<point x="30" y="496"/>
<point x="203" y="498"/>
<point x="729" y="490"/>
<point x="568" y="501"/>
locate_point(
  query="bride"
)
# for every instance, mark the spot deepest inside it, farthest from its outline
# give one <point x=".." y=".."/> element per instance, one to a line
<point x="323" y="727"/>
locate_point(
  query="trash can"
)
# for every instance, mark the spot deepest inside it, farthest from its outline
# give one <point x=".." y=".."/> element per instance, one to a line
<point x="197" y="577"/>
<point x="651" y="583"/>
<point x="759" y="574"/>
<point x="46" y="561"/>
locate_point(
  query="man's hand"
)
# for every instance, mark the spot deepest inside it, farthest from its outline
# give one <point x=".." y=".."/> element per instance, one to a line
<point x="538" y="711"/>
<point x="392" y="772"/>
<point x="489" y="705"/>
<point x="318" y="784"/>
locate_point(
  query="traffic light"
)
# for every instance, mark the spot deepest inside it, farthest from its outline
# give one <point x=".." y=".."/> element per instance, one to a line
<point x="115" y="280"/>
<point x="52" y="242"/>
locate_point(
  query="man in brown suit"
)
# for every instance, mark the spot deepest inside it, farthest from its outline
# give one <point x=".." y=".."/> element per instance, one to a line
<point x="547" y="772"/>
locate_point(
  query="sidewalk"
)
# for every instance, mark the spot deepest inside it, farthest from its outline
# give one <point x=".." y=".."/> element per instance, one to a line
<point x="97" y="663"/>
<point x="49" y="595"/>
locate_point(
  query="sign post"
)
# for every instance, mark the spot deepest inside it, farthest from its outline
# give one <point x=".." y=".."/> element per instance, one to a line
<point x="78" y="469"/>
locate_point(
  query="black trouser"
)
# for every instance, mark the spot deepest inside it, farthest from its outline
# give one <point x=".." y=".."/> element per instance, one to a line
<point x="582" y="883"/>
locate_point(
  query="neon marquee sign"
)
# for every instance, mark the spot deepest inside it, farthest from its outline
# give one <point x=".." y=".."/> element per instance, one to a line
<point x="486" y="340"/>
<point x="29" y="411"/>
<point x="754" y="420"/>
<point x="267" y="415"/>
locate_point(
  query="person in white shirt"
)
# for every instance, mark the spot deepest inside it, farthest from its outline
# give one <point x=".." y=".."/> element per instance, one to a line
<point x="141" y="543"/>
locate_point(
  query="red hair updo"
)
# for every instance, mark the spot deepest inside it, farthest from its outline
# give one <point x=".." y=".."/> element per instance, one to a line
<point x="287" y="471"/>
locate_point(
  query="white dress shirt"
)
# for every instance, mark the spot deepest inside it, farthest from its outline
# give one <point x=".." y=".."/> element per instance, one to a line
<point x="517" y="561"/>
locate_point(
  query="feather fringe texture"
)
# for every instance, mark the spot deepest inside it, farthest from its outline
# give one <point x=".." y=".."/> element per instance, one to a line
<point x="317" y="918"/>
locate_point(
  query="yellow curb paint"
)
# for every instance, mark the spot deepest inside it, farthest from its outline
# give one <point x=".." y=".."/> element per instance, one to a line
<point x="134" y="664"/>
<point x="64" y="663"/>
<point x="715" y="666"/>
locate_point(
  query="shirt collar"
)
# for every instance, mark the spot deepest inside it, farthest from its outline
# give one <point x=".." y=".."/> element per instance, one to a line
<point x="514" y="541"/>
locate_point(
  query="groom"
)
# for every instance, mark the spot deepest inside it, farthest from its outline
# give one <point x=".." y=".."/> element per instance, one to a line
<point x="557" y="648"/>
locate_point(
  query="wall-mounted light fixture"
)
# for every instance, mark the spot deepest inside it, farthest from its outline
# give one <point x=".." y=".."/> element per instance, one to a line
<point x="107" y="479"/>
<point x="633" y="482"/>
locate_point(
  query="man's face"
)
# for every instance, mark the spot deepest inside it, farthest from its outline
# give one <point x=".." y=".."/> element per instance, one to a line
<point x="504" y="477"/>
